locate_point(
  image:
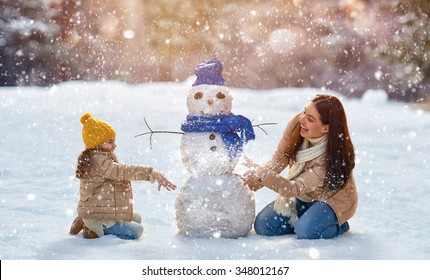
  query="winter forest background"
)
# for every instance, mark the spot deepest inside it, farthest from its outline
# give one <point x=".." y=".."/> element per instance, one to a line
<point x="342" y="45"/>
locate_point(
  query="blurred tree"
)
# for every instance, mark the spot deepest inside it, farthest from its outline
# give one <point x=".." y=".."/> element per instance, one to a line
<point x="408" y="50"/>
<point x="26" y="38"/>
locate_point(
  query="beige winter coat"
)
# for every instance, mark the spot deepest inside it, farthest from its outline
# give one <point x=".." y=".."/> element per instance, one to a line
<point x="308" y="186"/>
<point x="107" y="196"/>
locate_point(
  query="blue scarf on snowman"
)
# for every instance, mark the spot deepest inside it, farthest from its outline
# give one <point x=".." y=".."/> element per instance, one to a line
<point x="227" y="125"/>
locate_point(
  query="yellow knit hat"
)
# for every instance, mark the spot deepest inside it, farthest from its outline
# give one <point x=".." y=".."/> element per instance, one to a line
<point x="95" y="131"/>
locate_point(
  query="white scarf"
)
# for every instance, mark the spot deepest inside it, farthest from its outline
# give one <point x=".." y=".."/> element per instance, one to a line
<point x="309" y="150"/>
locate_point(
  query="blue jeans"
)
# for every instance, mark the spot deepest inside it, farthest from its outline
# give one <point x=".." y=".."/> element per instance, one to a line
<point x="126" y="230"/>
<point x="316" y="220"/>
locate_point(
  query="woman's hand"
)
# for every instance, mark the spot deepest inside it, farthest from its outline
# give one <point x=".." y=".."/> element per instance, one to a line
<point x="162" y="181"/>
<point x="254" y="177"/>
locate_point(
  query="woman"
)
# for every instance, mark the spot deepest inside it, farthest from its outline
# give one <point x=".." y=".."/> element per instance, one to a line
<point x="318" y="195"/>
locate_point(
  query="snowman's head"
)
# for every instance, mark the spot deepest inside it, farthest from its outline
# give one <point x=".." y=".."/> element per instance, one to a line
<point x="209" y="100"/>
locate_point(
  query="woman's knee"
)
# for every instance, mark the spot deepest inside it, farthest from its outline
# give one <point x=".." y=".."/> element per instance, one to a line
<point x="319" y="221"/>
<point x="306" y="230"/>
<point x="270" y="223"/>
<point x="265" y="227"/>
<point x="260" y="225"/>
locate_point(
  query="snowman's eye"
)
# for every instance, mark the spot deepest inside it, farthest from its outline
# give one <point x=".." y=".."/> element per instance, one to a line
<point x="198" y="95"/>
<point x="220" y="95"/>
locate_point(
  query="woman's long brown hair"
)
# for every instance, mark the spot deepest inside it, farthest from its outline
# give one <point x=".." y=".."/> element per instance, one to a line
<point x="340" y="154"/>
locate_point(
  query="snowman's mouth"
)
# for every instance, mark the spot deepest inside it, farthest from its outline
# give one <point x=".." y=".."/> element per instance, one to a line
<point x="206" y="114"/>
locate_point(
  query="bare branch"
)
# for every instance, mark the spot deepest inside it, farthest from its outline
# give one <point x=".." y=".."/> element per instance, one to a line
<point x="152" y="132"/>
<point x="159" y="131"/>
<point x="259" y="125"/>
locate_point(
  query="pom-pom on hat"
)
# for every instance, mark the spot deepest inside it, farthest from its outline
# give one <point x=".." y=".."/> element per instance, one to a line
<point x="95" y="131"/>
<point x="209" y="73"/>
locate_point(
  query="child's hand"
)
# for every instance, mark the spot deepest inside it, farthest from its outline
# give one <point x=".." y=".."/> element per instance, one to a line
<point x="162" y="181"/>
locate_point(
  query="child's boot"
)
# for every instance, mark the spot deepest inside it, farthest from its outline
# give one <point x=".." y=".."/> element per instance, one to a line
<point x="89" y="234"/>
<point x="77" y="225"/>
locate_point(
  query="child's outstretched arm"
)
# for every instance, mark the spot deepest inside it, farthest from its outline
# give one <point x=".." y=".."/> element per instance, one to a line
<point x="162" y="181"/>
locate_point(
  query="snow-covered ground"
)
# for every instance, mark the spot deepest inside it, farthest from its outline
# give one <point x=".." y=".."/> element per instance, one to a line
<point x="41" y="140"/>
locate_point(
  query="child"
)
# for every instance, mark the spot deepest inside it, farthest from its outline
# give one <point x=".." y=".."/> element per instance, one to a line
<point x="106" y="197"/>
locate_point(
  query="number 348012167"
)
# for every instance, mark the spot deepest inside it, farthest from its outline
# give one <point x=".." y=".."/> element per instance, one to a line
<point x="254" y="270"/>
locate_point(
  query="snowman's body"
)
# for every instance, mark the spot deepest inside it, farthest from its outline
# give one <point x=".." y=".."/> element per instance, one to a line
<point x="213" y="202"/>
<point x="215" y="206"/>
<point x="204" y="153"/>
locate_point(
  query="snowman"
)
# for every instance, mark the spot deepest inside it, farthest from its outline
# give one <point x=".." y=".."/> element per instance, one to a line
<point x="213" y="203"/>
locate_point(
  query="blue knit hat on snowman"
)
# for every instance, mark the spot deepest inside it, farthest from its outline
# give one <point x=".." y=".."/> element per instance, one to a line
<point x="209" y="73"/>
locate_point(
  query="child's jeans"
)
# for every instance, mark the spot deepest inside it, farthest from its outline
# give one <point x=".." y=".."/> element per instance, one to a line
<point x="316" y="220"/>
<point x="126" y="230"/>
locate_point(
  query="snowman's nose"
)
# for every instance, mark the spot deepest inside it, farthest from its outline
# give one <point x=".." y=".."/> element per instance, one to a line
<point x="210" y="101"/>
